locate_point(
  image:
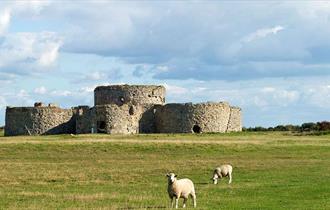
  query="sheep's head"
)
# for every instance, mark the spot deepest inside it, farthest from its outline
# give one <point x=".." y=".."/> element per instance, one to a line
<point x="171" y="177"/>
<point x="215" y="178"/>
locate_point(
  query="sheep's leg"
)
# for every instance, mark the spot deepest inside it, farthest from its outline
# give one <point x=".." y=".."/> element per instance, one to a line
<point x="230" y="177"/>
<point x="172" y="202"/>
<point x="176" y="202"/>
<point x="193" y="195"/>
<point x="184" y="202"/>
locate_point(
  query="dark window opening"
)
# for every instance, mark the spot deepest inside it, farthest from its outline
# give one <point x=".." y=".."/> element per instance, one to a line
<point x="197" y="129"/>
<point x="101" y="127"/>
<point x="131" y="110"/>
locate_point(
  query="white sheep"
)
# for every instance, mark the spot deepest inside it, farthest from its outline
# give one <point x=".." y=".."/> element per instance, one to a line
<point x="222" y="171"/>
<point x="181" y="188"/>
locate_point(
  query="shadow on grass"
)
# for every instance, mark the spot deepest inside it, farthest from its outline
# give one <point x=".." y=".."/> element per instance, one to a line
<point x="146" y="207"/>
<point x="203" y="183"/>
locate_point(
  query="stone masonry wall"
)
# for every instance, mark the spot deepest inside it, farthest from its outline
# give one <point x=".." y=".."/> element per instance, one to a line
<point x="84" y="119"/>
<point x="189" y="118"/>
<point x="129" y="94"/>
<point x="235" y="122"/>
<point x="114" y="119"/>
<point x="39" y="120"/>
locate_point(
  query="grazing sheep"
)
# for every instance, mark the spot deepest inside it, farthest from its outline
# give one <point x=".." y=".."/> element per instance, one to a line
<point x="181" y="188"/>
<point x="222" y="171"/>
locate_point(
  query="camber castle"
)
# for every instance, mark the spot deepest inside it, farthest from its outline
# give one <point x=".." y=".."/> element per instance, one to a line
<point x="124" y="109"/>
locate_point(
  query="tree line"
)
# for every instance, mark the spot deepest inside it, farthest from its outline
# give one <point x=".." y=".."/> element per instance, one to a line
<point x="305" y="127"/>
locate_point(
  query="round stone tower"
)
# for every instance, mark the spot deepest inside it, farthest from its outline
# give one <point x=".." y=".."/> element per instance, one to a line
<point x="129" y="94"/>
<point x="126" y="109"/>
<point x="197" y="118"/>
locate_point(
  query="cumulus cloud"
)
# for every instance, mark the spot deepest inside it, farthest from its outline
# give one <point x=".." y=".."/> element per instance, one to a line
<point x="4" y="20"/>
<point x="166" y="35"/>
<point x="222" y="40"/>
<point x="318" y="95"/>
<point x="49" y="55"/>
<point x="25" y="53"/>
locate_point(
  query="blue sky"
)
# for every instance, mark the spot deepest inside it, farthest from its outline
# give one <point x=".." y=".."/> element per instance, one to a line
<point x="270" y="58"/>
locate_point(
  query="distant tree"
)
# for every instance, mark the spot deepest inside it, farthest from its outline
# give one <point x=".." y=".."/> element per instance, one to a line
<point x="280" y="128"/>
<point x="324" y="126"/>
<point x="310" y="126"/>
<point x="292" y="127"/>
<point x="259" y="128"/>
<point x="270" y="129"/>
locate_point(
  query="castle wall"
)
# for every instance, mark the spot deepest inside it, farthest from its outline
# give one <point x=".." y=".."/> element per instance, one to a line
<point x="114" y="119"/>
<point x="235" y="122"/>
<point x="193" y="118"/>
<point x="125" y="119"/>
<point x="129" y="94"/>
<point x="84" y="119"/>
<point x="39" y="120"/>
<point x="124" y="109"/>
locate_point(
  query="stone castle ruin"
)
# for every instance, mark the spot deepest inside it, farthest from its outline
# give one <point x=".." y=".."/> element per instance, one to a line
<point x="124" y="109"/>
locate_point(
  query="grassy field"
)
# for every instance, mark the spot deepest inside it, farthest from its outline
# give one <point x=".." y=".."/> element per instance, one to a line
<point x="271" y="171"/>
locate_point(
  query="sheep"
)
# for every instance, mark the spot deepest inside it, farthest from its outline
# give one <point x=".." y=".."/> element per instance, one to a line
<point x="222" y="171"/>
<point x="181" y="188"/>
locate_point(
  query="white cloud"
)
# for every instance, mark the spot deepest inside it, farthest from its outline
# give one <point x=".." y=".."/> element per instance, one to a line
<point x="260" y="102"/>
<point x="318" y="95"/>
<point x="4" y="20"/>
<point x="263" y="32"/>
<point x="23" y="94"/>
<point x="175" y="90"/>
<point x="268" y="89"/>
<point x="28" y="52"/>
<point x="34" y="6"/>
<point x="88" y="89"/>
<point x="96" y="76"/>
<point x="3" y="102"/>
<point x="286" y="97"/>
<point x="61" y="93"/>
<point x="49" y="55"/>
<point x="162" y="68"/>
<point x="40" y="90"/>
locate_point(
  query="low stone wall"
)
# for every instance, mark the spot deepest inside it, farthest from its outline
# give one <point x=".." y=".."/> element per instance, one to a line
<point x="39" y="120"/>
<point x="129" y="94"/>
<point x="193" y="118"/>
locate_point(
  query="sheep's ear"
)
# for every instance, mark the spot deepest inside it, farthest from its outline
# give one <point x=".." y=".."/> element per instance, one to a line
<point x="175" y="176"/>
<point x="167" y="175"/>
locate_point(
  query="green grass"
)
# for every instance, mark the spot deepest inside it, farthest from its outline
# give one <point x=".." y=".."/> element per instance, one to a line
<point x="272" y="170"/>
